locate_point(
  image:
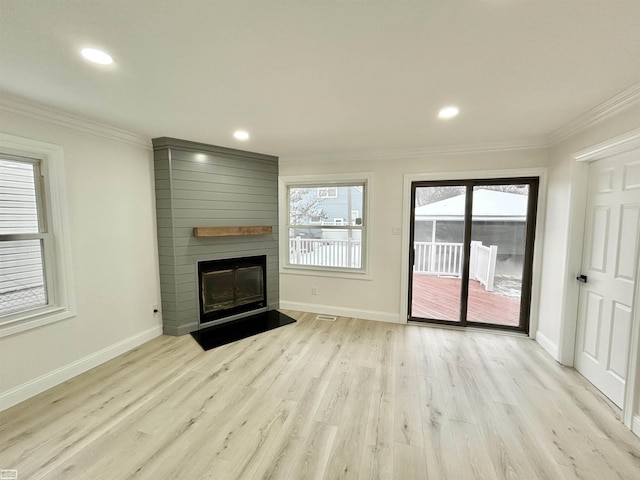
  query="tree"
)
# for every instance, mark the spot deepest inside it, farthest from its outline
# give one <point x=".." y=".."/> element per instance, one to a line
<point x="514" y="188"/>
<point x="304" y="207"/>
<point x="428" y="195"/>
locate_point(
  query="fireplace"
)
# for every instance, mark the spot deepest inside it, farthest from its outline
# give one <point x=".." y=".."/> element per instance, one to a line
<point x="231" y="288"/>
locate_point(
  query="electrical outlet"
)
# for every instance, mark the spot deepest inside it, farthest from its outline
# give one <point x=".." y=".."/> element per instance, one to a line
<point x="314" y="290"/>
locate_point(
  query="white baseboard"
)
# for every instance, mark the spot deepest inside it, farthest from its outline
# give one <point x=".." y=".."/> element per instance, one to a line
<point x="550" y="347"/>
<point x="341" y="311"/>
<point x="635" y="428"/>
<point x="56" y="377"/>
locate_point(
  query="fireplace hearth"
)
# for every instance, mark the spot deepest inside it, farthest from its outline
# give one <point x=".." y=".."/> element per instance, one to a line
<point x="231" y="288"/>
<point x="232" y="331"/>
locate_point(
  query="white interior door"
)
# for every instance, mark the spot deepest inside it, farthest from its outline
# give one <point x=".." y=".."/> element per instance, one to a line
<point x="609" y="263"/>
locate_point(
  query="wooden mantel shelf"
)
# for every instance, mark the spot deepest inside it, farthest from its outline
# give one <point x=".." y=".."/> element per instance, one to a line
<point x="231" y="231"/>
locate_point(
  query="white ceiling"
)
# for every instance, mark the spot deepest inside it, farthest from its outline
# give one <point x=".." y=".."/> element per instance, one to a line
<point x="309" y="78"/>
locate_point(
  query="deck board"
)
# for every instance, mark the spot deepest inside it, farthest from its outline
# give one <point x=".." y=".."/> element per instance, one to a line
<point x="439" y="298"/>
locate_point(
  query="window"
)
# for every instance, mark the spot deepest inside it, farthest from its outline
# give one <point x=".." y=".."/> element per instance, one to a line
<point x="324" y="229"/>
<point x="327" y="192"/>
<point x="34" y="267"/>
<point x="23" y="235"/>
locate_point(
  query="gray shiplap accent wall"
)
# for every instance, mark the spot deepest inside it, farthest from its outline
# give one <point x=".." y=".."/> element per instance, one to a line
<point x="199" y="185"/>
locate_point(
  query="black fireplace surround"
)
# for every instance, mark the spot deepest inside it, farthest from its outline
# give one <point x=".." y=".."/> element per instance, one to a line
<point x="230" y="287"/>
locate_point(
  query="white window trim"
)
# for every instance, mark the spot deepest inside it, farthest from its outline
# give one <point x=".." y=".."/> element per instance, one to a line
<point x="284" y="182"/>
<point x="58" y="261"/>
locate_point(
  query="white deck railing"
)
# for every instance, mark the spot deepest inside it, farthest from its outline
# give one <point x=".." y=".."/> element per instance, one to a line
<point x="482" y="266"/>
<point x="445" y="259"/>
<point x="438" y="258"/>
<point x="325" y="252"/>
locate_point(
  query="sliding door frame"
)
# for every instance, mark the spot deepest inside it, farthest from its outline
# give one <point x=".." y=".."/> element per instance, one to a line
<point x="528" y="268"/>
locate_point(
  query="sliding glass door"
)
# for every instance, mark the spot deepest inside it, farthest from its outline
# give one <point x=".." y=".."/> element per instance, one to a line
<point x="472" y="251"/>
<point x="438" y="252"/>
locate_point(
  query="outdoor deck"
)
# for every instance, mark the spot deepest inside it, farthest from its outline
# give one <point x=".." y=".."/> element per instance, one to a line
<point x="439" y="298"/>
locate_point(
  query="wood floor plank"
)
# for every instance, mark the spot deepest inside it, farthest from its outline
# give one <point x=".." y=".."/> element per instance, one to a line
<point x="408" y="462"/>
<point x="563" y="437"/>
<point x="385" y="373"/>
<point x="381" y="424"/>
<point x="324" y="400"/>
<point x="377" y="455"/>
<point x="441" y="464"/>
<point x="507" y="460"/>
<point x="314" y="455"/>
<point x="408" y="420"/>
<point x="457" y="405"/>
<point x="282" y="453"/>
<point x="334" y="400"/>
<point x="473" y="455"/>
<point x="524" y="442"/>
<point x="377" y="463"/>
<point x="347" y="452"/>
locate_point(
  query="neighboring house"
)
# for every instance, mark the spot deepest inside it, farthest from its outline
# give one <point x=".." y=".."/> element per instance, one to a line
<point x="335" y="204"/>
<point x="499" y="218"/>
<point x="21" y="273"/>
<point x="336" y="200"/>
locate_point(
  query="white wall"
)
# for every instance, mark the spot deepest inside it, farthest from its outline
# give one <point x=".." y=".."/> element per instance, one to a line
<point x="563" y="235"/>
<point x="110" y="191"/>
<point x="380" y="298"/>
<point x="564" y="230"/>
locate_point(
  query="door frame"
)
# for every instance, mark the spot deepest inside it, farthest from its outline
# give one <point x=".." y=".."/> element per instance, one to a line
<point x="470" y="186"/>
<point x="577" y="214"/>
<point x="409" y="178"/>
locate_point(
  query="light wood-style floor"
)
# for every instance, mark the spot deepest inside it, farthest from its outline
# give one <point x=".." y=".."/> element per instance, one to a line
<point x="324" y="400"/>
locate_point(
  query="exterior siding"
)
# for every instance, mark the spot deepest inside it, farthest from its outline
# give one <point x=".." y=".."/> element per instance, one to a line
<point x="338" y="207"/>
<point x="201" y="185"/>
<point x="21" y="260"/>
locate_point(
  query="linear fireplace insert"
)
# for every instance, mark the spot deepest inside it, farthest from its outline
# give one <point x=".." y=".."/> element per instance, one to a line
<point x="231" y="287"/>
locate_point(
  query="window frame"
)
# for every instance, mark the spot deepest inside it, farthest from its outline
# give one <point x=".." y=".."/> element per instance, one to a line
<point x="42" y="234"/>
<point x="53" y="231"/>
<point x="318" y="181"/>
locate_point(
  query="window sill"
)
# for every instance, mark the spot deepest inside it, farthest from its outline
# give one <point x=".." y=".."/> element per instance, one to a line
<point x="324" y="272"/>
<point x="34" y="319"/>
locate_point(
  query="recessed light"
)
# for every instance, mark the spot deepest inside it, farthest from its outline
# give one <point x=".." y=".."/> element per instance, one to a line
<point x="448" y="112"/>
<point x="241" y="135"/>
<point x="97" y="56"/>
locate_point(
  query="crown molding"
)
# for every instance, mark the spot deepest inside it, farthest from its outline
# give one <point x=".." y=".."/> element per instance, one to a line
<point x="607" y="109"/>
<point x="619" y="144"/>
<point x="529" y="144"/>
<point x="625" y="99"/>
<point x="27" y="108"/>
